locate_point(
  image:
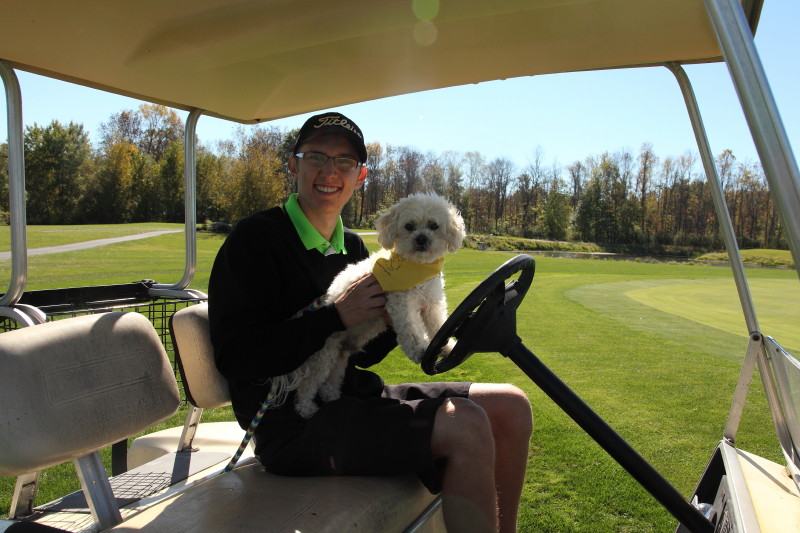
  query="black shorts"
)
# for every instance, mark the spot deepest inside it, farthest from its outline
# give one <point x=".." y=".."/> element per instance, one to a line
<point x="385" y="435"/>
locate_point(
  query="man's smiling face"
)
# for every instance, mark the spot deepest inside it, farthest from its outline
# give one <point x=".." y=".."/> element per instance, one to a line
<point x="323" y="191"/>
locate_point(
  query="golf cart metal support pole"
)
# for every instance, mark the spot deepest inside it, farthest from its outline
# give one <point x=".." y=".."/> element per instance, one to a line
<point x="721" y="208"/>
<point x="609" y="440"/>
<point x="25" y="315"/>
<point x="734" y="256"/>
<point x="16" y="188"/>
<point x="190" y="208"/>
<point x="736" y="42"/>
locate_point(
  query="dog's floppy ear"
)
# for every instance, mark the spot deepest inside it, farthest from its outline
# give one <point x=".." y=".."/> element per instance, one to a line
<point x="386" y="224"/>
<point x="455" y="230"/>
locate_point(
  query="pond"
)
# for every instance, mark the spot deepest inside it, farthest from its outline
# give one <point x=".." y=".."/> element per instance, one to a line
<point x="614" y="257"/>
<point x="609" y="256"/>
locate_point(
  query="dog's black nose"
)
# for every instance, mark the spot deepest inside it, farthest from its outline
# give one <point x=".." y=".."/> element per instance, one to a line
<point x="421" y="242"/>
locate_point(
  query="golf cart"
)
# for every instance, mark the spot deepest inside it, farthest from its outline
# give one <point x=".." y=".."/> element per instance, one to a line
<point x="84" y="368"/>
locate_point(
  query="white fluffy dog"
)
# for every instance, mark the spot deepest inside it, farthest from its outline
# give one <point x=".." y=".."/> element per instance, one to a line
<point x="419" y="230"/>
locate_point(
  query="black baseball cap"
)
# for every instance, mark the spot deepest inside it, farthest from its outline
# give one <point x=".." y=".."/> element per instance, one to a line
<point x="335" y="124"/>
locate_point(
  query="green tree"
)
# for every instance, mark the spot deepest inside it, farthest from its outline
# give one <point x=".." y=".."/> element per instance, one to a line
<point x="170" y="184"/>
<point x="556" y="212"/>
<point x="256" y="176"/>
<point x="57" y="161"/>
<point x="210" y="182"/>
<point x="109" y="193"/>
<point x="145" y="188"/>
<point x="589" y="212"/>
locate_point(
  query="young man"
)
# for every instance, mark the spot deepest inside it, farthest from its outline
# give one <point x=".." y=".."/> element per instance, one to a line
<point x="467" y="440"/>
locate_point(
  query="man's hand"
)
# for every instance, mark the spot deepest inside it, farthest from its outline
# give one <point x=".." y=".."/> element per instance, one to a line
<point x="362" y="301"/>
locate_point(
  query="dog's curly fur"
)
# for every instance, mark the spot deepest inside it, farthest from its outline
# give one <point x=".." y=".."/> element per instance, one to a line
<point x="422" y="228"/>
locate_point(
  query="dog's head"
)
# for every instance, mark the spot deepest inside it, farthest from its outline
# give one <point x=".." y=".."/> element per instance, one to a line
<point x="421" y="228"/>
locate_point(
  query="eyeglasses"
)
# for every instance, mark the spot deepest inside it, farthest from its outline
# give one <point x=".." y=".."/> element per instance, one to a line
<point x="317" y="159"/>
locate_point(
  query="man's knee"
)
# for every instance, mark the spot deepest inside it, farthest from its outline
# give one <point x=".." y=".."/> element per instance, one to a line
<point x="518" y="409"/>
<point x="462" y="425"/>
<point x="507" y="406"/>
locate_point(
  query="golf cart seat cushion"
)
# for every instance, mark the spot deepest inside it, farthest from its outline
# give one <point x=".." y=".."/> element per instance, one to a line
<point x="251" y="499"/>
<point x="78" y="385"/>
<point x="218" y="437"/>
<point x="204" y="385"/>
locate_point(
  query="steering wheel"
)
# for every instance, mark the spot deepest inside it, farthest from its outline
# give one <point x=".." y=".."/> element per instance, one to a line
<point x="486" y="321"/>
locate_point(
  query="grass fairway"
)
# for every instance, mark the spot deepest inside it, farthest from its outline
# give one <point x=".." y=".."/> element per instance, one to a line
<point x="655" y="369"/>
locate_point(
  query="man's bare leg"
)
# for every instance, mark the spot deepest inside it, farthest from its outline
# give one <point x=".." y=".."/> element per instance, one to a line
<point x="509" y="412"/>
<point x="462" y="433"/>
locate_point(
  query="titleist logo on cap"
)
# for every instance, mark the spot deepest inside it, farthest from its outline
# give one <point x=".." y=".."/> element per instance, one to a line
<point x="338" y="121"/>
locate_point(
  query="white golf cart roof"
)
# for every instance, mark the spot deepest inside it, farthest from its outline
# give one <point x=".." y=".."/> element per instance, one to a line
<point x="254" y="61"/>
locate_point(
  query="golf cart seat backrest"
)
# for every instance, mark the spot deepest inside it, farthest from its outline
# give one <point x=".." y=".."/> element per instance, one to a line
<point x="77" y="385"/>
<point x="203" y="384"/>
<point x="73" y="386"/>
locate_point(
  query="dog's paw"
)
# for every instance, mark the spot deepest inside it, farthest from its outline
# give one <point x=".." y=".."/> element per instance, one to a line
<point x="328" y="393"/>
<point x="415" y="356"/>
<point x="306" y="409"/>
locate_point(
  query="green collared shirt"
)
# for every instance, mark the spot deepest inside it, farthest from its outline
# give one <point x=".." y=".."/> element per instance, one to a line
<point x="308" y="233"/>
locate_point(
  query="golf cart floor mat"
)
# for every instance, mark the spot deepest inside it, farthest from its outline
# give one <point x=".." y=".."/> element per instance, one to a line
<point x="143" y="481"/>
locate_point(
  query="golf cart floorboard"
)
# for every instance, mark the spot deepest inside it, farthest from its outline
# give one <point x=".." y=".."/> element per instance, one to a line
<point x="250" y="499"/>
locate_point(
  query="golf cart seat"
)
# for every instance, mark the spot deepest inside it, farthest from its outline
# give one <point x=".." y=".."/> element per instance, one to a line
<point x="106" y="377"/>
<point x="204" y="388"/>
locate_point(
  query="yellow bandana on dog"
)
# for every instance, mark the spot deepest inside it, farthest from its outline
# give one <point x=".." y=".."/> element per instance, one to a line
<point x="396" y="273"/>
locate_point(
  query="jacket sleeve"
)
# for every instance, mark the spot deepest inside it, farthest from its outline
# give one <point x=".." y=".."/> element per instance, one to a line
<point x="377" y="349"/>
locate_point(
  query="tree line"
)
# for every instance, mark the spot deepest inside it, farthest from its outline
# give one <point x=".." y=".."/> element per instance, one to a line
<point x="625" y="200"/>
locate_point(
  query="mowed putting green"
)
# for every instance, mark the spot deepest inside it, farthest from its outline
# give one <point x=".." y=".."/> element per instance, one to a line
<point x="716" y="303"/>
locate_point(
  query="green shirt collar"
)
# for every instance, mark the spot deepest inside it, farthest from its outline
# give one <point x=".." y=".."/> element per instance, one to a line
<point x="308" y="233"/>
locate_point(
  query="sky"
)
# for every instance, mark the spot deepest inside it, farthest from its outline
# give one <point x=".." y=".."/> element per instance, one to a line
<point x="566" y="117"/>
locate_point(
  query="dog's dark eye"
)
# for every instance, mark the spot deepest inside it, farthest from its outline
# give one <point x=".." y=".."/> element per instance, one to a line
<point x="433" y="226"/>
<point x="411" y="226"/>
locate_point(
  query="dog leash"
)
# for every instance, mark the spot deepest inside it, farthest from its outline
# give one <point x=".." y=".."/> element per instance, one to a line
<point x="249" y="433"/>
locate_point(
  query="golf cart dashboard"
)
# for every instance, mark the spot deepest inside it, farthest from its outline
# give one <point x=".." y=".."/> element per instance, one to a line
<point x="742" y="492"/>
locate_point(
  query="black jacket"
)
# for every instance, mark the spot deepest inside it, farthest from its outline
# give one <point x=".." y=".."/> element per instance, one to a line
<point x="261" y="278"/>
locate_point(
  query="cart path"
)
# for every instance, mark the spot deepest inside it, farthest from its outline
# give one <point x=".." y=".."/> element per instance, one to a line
<point x="90" y="244"/>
